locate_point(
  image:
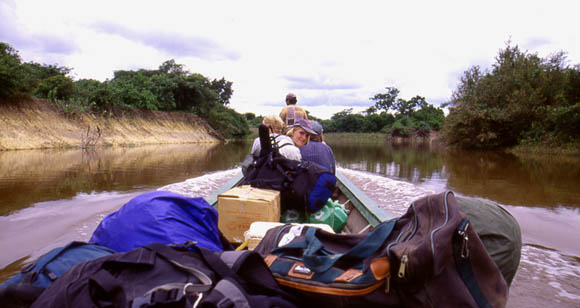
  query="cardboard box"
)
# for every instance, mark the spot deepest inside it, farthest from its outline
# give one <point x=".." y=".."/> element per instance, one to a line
<point x="240" y="206"/>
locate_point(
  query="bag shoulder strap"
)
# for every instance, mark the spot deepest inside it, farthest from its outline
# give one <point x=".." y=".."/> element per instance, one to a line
<point x="320" y="262"/>
<point x="461" y="256"/>
<point x="229" y="291"/>
<point x="30" y="273"/>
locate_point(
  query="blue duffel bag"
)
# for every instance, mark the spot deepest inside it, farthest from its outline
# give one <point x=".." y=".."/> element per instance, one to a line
<point x="23" y="288"/>
<point x="160" y="217"/>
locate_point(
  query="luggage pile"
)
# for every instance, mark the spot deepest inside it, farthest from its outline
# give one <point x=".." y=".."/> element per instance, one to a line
<point x="166" y="250"/>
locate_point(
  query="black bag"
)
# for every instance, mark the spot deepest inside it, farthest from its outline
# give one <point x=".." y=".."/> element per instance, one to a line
<point x="303" y="185"/>
<point x="168" y="276"/>
<point x="434" y="255"/>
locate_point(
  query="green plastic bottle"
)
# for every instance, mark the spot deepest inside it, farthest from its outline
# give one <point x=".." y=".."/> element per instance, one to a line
<point x="332" y="214"/>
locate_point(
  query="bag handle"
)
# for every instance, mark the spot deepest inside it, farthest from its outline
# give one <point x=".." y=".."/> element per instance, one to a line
<point x="316" y="258"/>
<point x="104" y="284"/>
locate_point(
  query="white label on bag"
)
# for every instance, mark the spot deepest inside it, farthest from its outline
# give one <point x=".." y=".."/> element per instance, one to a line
<point x="288" y="237"/>
<point x="296" y="230"/>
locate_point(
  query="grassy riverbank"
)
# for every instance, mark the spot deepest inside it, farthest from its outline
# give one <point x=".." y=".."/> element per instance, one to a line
<point x="547" y="148"/>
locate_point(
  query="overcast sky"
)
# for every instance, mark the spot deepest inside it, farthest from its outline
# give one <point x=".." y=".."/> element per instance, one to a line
<point x="333" y="54"/>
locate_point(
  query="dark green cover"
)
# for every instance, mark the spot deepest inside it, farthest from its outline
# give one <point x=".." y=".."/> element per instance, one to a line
<point x="498" y="230"/>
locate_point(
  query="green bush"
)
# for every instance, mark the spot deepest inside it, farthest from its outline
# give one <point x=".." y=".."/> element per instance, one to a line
<point x="228" y="122"/>
<point x="55" y="87"/>
<point x="401" y="128"/>
<point x="523" y="97"/>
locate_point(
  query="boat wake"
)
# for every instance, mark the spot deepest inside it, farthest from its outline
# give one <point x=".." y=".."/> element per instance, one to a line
<point x="202" y="186"/>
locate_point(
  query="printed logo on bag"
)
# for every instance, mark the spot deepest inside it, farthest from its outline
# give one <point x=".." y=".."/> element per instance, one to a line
<point x="300" y="269"/>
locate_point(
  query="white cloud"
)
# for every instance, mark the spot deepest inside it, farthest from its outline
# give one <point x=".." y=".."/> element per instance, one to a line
<point x="333" y="55"/>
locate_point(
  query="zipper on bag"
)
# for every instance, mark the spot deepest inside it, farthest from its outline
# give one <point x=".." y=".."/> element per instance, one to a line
<point x="403" y="266"/>
<point x="462" y="232"/>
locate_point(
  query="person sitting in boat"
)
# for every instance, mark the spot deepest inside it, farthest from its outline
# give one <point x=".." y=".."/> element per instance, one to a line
<point x="316" y="150"/>
<point x="291" y="112"/>
<point x="286" y="146"/>
<point x="300" y="132"/>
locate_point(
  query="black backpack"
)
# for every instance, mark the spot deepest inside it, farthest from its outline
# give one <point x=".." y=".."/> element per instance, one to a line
<point x="303" y="185"/>
<point x="160" y="275"/>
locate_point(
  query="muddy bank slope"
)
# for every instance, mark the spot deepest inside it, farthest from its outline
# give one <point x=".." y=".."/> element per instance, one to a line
<point x="37" y="124"/>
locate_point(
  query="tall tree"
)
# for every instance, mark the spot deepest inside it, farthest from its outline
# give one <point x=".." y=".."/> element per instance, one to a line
<point x="224" y="90"/>
<point x="386" y="101"/>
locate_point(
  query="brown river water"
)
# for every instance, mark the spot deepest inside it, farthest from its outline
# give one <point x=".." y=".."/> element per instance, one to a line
<point x="50" y="197"/>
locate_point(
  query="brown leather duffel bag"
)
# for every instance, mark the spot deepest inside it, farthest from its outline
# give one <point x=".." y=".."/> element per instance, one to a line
<point x="435" y="257"/>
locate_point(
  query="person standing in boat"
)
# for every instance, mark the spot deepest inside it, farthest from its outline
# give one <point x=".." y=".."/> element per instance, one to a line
<point x="317" y="150"/>
<point x="285" y="144"/>
<point x="291" y="112"/>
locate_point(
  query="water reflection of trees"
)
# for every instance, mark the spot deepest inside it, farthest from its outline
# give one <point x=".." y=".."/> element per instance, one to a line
<point x="510" y="179"/>
<point x="505" y="178"/>
<point x="28" y="177"/>
<point x="411" y="162"/>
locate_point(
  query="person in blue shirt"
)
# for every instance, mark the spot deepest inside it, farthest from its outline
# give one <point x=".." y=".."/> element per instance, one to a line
<point x="317" y="151"/>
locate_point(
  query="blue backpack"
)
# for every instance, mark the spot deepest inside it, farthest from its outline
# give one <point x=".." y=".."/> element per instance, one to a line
<point x="26" y="286"/>
<point x="160" y="217"/>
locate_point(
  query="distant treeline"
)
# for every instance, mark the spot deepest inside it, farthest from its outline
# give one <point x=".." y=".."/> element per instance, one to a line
<point x="389" y="114"/>
<point x="169" y="88"/>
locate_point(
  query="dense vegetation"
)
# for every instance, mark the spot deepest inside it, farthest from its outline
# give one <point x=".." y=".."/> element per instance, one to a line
<point x="390" y="114"/>
<point x="168" y="88"/>
<point x="523" y="100"/>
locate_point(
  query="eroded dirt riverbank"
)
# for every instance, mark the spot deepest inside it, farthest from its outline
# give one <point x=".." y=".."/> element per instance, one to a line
<point x="38" y="124"/>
